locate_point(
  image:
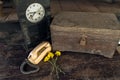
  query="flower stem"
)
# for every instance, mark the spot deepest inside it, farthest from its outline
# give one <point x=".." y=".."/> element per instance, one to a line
<point x="55" y="67"/>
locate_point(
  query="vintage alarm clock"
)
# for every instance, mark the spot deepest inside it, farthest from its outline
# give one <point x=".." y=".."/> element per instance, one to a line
<point x="35" y="12"/>
<point x="34" y="17"/>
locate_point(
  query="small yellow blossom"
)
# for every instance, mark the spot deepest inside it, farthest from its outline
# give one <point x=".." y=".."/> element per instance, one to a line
<point x="53" y="62"/>
<point x="50" y="54"/>
<point x="46" y="59"/>
<point x="58" y="53"/>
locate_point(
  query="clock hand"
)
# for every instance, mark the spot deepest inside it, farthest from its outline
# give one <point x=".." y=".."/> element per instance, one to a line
<point x="32" y="14"/>
<point x="35" y="16"/>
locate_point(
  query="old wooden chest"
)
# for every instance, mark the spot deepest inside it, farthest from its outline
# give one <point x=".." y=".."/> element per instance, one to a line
<point x="95" y="33"/>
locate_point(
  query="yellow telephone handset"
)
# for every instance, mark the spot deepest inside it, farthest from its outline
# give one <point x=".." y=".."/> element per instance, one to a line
<point x="39" y="52"/>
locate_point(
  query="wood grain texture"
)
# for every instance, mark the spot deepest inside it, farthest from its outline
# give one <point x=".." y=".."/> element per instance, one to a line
<point x="69" y="5"/>
<point x="55" y="7"/>
<point x="77" y="66"/>
<point x="73" y="5"/>
<point x="86" y="6"/>
<point x="101" y="30"/>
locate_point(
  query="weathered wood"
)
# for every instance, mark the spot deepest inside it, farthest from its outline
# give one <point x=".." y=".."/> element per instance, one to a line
<point x="12" y="17"/>
<point x="55" y="7"/>
<point x="69" y="5"/>
<point x="76" y="66"/>
<point x="8" y="15"/>
<point x="85" y="5"/>
<point x="2" y="19"/>
<point x="108" y="1"/>
<point x="109" y="8"/>
<point x="101" y="31"/>
<point x="118" y="49"/>
<point x="1" y="8"/>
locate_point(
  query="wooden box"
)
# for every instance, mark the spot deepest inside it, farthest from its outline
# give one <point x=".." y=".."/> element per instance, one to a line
<point x="86" y="32"/>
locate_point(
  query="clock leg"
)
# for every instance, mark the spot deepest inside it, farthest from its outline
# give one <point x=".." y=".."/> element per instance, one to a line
<point x="26" y="34"/>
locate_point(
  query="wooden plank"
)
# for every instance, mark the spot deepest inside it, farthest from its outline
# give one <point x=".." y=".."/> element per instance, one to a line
<point x="9" y="14"/>
<point x="2" y="19"/>
<point x="68" y="5"/>
<point x="55" y="7"/>
<point x="75" y="66"/>
<point x="109" y="8"/>
<point x="12" y="17"/>
<point x="85" y="5"/>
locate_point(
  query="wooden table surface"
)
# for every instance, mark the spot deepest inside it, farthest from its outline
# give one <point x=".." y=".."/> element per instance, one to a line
<point x="84" y="6"/>
<point x="77" y="66"/>
<point x="70" y="5"/>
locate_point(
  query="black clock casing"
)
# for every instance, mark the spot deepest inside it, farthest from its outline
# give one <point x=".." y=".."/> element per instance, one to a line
<point x="33" y="32"/>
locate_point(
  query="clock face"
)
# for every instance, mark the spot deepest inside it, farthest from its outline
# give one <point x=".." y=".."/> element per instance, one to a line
<point x="35" y="12"/>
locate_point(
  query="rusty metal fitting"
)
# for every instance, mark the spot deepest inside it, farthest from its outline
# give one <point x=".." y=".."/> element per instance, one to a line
<point x="83" y="40"/>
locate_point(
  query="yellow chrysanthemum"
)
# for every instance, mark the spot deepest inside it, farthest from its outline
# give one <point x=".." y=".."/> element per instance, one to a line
<point x="46" y="59"/>
<point x="50" y="54"/>
<point x="58" y="53"/>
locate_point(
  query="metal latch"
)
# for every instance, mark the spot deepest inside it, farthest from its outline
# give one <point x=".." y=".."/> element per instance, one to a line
<point x="35" y="57"/>
<point x="83" y="40"/>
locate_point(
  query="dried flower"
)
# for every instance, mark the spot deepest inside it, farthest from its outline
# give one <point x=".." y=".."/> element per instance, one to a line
<point x="58" y="53"/>
<point x="53" y="62"/>
<point x="46" y="59"/>
<point x="51" y="54"/>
